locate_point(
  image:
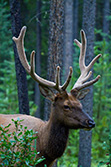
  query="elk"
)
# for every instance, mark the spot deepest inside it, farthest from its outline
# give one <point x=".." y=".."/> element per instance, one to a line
<point x="66" y="109"/>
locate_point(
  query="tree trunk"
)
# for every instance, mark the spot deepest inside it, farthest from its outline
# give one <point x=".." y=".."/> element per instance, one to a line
<point x="38" y="57"/>
<point x="75" y="30"/>
<point x="55" y="44"/>
<point x="106" y="13"/>
<point x="75" y="24"/>
<point x="68" y="36"/>
<point x="85" y="136"/>
<point x="20" y="71"/>
<point x="56" y="25"/>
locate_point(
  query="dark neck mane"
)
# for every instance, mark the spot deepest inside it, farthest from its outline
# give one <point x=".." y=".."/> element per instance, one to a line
<point x="57" y="139"/>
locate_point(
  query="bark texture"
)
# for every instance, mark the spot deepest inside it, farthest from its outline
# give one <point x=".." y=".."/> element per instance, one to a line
<point x="85" y="136"/>
<point x="38" y="57"/>
<point x="75" y="28"/>
<point x="20" y="71"/>
<point x="75" y="24"/>
<point x="68" y="36"/>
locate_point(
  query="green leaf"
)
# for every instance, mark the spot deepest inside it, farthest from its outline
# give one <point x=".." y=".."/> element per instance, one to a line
<point x="20" y="134"/>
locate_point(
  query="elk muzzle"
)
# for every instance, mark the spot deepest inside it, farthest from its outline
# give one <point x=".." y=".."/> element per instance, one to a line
<point x="89" y="124"/>
<point x="86" y="121"/>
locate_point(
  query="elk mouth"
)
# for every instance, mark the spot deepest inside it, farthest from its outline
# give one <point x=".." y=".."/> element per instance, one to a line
<point x="88" y="125"/>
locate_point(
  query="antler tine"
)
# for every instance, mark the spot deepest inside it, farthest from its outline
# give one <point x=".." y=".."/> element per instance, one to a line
<point x="31" y="68"/>
<point x="65" y="85"/>
<point x="20" y="44"/>
<point x="88" y="83"/>
<point x="32" y="62"/>
<point x="85" y="70"/>
<point x="93" y="61"/>
<point x="57" y="78"/>
<point x="82" y="50"/>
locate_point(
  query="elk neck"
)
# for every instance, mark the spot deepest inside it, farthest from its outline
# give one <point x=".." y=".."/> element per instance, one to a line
<point x="57" y="136"/>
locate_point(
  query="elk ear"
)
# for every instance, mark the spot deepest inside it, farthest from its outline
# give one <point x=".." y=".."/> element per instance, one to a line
<point x="47" y="92"/>
<point x="81" y="94"/>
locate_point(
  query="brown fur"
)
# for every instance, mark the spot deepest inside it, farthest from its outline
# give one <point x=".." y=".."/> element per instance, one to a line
<point x="53" y="134"/>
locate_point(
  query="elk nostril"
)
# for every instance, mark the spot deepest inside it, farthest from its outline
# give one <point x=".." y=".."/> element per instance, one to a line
<point x="91" y="123"/>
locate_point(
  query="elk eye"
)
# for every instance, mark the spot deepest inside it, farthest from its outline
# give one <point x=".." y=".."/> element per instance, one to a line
<point x="66" y="107"/>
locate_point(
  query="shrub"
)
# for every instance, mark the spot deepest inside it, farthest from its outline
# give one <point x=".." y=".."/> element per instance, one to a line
<point x="107" y="148"/>
<point x="16" y="147"/>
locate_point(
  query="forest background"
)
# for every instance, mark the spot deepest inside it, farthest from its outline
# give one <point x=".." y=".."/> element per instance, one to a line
<point x="35" y="14"/>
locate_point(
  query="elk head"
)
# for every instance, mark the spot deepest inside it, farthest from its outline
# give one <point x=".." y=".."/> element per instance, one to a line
<point x="66" y="107"/>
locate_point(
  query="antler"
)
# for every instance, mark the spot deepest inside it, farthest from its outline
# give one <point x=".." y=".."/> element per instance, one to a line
<point x="85" y="70"/>
<point x="31" y="68"/>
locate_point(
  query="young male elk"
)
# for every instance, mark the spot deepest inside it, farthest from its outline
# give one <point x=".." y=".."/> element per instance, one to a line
<point x="66" y="110"/>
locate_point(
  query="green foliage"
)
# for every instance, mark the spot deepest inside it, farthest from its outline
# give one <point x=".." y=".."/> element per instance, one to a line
<point x="16" y="148"/>
<point x="102" y="100"/>
<point x="5" y="31"/>
<point x="107" y="148"/>
<point x="8" y="87"/>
